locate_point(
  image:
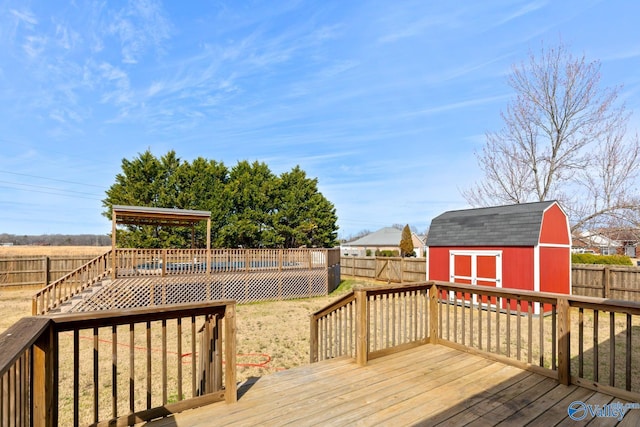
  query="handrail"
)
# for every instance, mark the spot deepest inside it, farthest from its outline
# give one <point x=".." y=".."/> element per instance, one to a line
<point x="40" y="364"/>
<point x="492" y="322"/>
<point x="339" y="303"/>
<point x="71" y="284"/>
<point x="19" y="338"/>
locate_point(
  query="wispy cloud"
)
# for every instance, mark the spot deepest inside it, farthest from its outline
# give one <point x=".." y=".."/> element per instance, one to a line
<point x="25" y="17"/>
<point x="34" y="46"/>
<point x="522" y="11"/>
<point x="141" y="25"/>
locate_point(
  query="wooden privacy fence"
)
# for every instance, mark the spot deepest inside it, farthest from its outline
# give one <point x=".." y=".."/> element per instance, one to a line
<point x="38" y="271"/>
<point x="604" y="281"/>
<point x="117" y="367"/>
<point x="591" y="342"/>
<point x="389" y="269"/>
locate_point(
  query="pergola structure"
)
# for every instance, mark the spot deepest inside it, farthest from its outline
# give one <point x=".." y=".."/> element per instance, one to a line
<point x="162" y="217"/>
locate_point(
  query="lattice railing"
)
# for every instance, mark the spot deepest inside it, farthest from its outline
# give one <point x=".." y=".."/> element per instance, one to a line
<point x="242" y="287"/>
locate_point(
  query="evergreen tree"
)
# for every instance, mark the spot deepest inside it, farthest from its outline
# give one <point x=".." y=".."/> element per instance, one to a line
<point x="406" y="243"/>
<point x="250" y="206"/>
<point x="304" y="217"/>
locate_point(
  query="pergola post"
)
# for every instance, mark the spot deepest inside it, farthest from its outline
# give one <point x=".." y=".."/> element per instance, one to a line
<point x="113" y="244"/>
<point x="209" y="267"/>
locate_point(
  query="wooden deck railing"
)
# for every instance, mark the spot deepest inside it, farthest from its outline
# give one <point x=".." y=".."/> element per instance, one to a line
<point x="117" y="367"/>
<point x="134" y="263"/>
<point x="164" y="262"/>
<point x="592" y="342"/>
<point x="71" y="284"/>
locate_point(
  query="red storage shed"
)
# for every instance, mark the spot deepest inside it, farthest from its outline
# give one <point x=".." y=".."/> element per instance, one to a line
<point x="524" y="246"/>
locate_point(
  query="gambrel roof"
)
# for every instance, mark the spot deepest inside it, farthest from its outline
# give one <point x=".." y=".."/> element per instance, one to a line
<point x="513" y="225"/>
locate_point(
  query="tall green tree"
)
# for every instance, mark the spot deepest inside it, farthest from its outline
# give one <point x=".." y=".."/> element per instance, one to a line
<point x="406" y="242"/>
<point x="250" y="206"/>
<point x="251" y="192"/>
<point x="304" y="216"/>
<point x="143" y="182"/>
<point x="201" y="185"/>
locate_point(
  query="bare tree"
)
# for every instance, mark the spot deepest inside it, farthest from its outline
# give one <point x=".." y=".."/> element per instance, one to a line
<point x="563" y="138"/>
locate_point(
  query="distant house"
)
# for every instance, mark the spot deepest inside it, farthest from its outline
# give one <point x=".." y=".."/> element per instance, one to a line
<point x="385" y="239"/>
<point x="594" y="242"/>
<point x="627" y="239"/>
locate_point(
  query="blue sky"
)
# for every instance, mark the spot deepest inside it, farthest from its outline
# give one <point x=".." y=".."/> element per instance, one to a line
<point x="384" y="102"/>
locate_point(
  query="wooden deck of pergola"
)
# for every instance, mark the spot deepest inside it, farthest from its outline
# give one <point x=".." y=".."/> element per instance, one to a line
<point x="427" y="385"/>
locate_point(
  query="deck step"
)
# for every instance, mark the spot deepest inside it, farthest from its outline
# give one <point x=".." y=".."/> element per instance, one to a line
<point x="68" y="306"/>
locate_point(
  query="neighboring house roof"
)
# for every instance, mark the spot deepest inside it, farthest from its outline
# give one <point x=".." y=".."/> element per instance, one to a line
<point x="622" y="235"/>
<point x="387" y="236"/>
<point x="577" y="241"/>
<point x="513" y="225"/>
<point x="599" y="240"/>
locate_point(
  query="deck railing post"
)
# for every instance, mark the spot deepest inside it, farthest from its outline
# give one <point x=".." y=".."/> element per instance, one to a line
<point x="313" y="349"/>
<point x="362" y="327"/>
<point x="231" y="393"/>
<point x="564" y="342"/>
<point x="43" y="386"/>
<point x="433" y="314"/>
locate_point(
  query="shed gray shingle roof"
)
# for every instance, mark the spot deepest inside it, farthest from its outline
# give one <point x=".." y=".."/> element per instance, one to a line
<point x="513" y="225"/>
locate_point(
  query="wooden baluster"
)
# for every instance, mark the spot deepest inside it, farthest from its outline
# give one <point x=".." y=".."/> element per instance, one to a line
<point x="628" y="351"/>
<point x="564" y="342"/>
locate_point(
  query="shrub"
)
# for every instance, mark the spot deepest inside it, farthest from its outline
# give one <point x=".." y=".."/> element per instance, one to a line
<point x="387" y="253"/>
<point x="601" y="259"/>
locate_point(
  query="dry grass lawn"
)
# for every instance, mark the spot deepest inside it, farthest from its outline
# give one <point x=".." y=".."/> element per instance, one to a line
<point x="14" y="305"/>
<point x="28" y="250"/>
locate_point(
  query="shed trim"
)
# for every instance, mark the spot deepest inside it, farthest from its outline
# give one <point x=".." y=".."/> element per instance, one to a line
<point x="554" y="245"/>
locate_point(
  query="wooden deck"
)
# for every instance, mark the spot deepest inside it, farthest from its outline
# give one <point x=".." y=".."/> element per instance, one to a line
<point x="428" y="385"/>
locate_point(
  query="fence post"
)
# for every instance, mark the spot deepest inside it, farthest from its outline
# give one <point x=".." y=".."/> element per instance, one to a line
<point x="47" y="270"/>
<point x="362" y="328"/>
<point x="606" y="286"/>
<point x="564" y="342"/>
<point x="433" y="314"/>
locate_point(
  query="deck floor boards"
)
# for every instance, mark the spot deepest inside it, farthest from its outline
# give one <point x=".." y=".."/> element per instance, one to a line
<point x="428" y="385"/>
